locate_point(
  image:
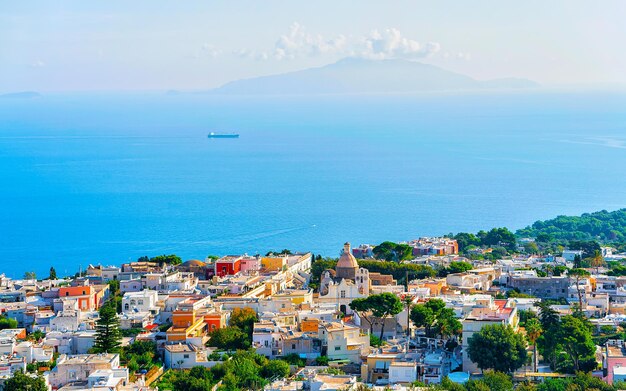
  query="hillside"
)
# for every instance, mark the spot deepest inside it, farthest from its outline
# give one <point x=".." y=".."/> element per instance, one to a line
<point x="355" y="75"/>
<point x="602" y="226"/>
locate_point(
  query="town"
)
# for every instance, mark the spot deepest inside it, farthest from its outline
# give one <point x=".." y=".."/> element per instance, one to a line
<point x="413" y="315"/>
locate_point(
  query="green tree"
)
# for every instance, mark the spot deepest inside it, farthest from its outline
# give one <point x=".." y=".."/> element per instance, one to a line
<point x="497" y="347"/>
<point x="229" y="338"/>
<point x="362" y="306"/>
<point x="460" y="267"/>
<point x="436" y="319"/>
<point x="53" y="274"/>
<point x="383" y="306"/>
<point x="533" y="332"/>
<point x="497" y="381"/>
<point x="30" y="276"/>
<point x="108" y="336"/>
<point x="531" y="248"/>
<point x="23" y="382"/>
<point x="244" y="319"/>
<point x="275" y="369"/>
<point x="547" y="343"/>
<point x="455" y="267"/>
<point x="500" y="237"/>
<point x="7" y="323"/>
<point x="391" y="251"/>
<point x="576" y="341"/>
<point x="171" y="259"/>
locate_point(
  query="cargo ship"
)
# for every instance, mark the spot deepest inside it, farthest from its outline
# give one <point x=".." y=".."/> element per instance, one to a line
<point x="223" y="135"/>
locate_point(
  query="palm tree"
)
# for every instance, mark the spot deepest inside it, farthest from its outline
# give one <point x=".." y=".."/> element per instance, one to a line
<point x="533" y="332"/>
<point x="408" y="301"/>
<point x="597" y="260"/>
<point x="578" y="275"/>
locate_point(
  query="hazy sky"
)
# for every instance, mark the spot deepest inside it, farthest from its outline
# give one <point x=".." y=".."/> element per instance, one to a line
<point x="138" y="45"/>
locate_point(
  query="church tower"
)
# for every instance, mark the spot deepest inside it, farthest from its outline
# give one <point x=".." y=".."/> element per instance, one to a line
<point x="347" y="266"/>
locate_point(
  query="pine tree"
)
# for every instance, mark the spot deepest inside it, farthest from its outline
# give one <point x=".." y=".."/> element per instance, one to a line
<point x="108" y="336"/>
<point x="53" y="274"/>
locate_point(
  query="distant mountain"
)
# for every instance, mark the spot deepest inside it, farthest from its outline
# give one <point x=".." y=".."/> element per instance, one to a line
<point x="21" y="95"/>
<point x="354" y="75"/>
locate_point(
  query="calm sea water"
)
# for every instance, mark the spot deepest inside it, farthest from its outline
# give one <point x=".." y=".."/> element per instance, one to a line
<point x="90" y="178"/>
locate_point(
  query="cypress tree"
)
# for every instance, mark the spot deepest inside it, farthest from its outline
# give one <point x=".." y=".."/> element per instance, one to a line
<point x="108" y="335"/>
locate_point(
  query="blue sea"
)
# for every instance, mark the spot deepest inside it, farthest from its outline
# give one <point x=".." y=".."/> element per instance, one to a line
<point x="106" y="178"/>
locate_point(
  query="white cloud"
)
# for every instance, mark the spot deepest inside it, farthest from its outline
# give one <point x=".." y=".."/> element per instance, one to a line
<point x="210" y="50"/>
<point x="38" y="64"/>
<point x="390" y="43"/>
<point x="298" y="43"/>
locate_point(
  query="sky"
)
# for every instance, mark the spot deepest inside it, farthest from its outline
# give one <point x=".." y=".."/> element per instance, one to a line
<point x="195" y="45"/>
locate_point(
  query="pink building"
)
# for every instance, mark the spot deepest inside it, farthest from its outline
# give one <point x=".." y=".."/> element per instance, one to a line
<point x="614" y="364"/>
<point x="249" y="264"/>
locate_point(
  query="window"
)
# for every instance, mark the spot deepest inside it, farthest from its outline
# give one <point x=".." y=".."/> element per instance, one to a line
<point x="337" y="347"/>
<point x="343" y="294"/>
<point x="140" y="302"/>
<point x="186" y="356"/>
<point x="293" y="346"/>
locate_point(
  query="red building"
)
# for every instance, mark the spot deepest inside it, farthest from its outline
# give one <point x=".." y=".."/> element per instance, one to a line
<point x="227" y="266"/>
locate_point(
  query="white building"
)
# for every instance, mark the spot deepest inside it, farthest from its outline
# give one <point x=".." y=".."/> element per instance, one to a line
<point x="344" y="342"/>
<point x="402" y="372"/>
<point x="143" y="301"/>
<point x="184" y="356"/>
<point x="79" y="368"/>
<point x="570" y="255"/>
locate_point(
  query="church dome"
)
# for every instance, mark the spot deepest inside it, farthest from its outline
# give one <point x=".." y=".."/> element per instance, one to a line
<point x="195" y="263"/>
<point x="347" y="265"/>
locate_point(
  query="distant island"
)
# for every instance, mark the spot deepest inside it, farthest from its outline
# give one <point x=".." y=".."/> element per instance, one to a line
<point x="21" y="95"/>
<point x="357" y="75"/>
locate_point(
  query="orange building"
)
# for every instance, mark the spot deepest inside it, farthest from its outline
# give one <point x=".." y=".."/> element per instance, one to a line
<point x="215" y="320"/>
<point x="89" y="297"/>
<point x="186" y="325"/>
<point x="310" y="325"/>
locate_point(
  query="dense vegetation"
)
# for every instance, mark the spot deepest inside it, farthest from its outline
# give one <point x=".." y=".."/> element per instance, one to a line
<point x="140" y="355"/>
<point x="7" y="323"/>
<point x="245" y="370"/>
<point x="171" y="259"/>
<point x="436" y="319"/>
<point x="23" y="382"/>
<point x="238" y="334"/>
<point x="390" y="251"/>
<point x="602" y="226"/>
<point x="566" y="343"/>
<point x="498" y="381"/>
<point x="496" y="237"/>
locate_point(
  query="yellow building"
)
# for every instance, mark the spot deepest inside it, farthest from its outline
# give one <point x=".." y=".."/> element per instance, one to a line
<point x="297" y="296"/>
<point x="274" y="264"/>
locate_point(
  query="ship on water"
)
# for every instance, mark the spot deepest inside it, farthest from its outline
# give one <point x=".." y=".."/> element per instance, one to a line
<point x="223" y="135"/>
